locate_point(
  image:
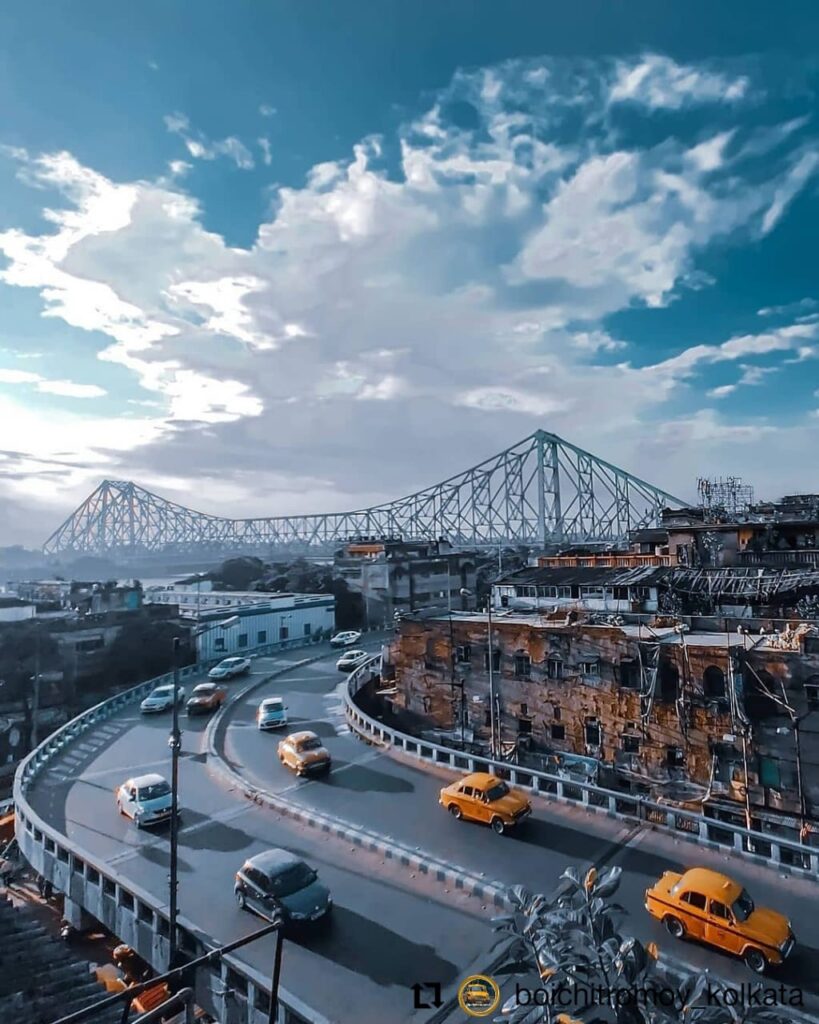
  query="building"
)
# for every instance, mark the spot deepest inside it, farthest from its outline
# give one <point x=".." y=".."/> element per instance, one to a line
<point x="193" y="600"/>
<point x="725" y="720"/>
<point x="781" y="534"/>
<point x="596" y="589"/>
<point x="13" y="609"/>
<point x="395" y="576"/>
<point x="251" y="626"/>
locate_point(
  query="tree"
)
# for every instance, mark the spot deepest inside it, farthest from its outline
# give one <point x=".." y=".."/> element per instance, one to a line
<point x="238" y="573"/>
<point x="25" y="649"/>
<point x="143" y="649"/>
<point x="570" y="944"/>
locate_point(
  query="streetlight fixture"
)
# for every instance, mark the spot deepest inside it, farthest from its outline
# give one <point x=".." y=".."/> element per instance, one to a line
<point x="176" y="746"/>
<point x="493" y="740"/>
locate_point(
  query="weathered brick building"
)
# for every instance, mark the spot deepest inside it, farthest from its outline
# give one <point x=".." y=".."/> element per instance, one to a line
<point x="714" y="717"/>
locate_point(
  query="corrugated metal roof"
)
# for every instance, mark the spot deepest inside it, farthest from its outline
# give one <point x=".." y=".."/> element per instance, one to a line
<point x="643" y="575"/>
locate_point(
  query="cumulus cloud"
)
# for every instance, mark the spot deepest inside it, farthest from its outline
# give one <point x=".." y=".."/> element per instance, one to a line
<point x="392" y="323"/>
<point x="66" y="388"/>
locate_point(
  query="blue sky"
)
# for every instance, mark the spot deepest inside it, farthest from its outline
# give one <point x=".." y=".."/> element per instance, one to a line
<point x="280" y="257"/>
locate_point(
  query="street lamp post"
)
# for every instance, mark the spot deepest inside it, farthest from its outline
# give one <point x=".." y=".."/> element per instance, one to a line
<point x="493" y="743"/>
<point x="176" y="743"/>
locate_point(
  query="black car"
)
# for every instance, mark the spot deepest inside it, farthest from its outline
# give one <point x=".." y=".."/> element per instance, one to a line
<point x="278" y="882"/>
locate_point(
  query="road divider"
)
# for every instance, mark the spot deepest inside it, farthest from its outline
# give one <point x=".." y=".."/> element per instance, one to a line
<point x="452" y="876"/>
<point x="784" y="855"/>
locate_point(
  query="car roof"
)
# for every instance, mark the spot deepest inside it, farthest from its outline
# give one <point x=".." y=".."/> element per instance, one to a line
<point x="271" y="700"/>
<point x="225" y="661"/>
<point x="271" y="862"/>
<point x="164" y="686"/>
<point x="353" y="654"/>
<point x="710" y="883"/>
<point x="480" y="779"/>
<point x="151" y="779"/>
<point x="204" y="686"/>
<point x="305" y="734"/>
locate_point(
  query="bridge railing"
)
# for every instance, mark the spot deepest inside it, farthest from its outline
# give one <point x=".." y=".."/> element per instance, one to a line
<point x="233" y="991"/>
<point x="763" y="847"/>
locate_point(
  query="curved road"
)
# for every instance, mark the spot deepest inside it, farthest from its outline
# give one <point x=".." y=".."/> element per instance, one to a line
<point x="391" y="929"/>
<point x="388" y="930"/>
<point x="395" y="796"/>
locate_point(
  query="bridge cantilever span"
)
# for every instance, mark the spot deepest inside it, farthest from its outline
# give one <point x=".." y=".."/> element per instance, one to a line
<point x="541" y="490"/>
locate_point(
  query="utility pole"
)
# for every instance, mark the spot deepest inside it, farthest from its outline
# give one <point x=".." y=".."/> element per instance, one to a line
<point x="493" y="724"/>
<point x="176" y="743"/>
<point x="36" y="702"/>
<point x="277" y="970"/>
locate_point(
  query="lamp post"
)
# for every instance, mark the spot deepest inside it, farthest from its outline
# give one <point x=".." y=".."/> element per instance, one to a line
<point x="493" y="744"/>
<point x="452" y="683"/>
<point x="176" y="743"/>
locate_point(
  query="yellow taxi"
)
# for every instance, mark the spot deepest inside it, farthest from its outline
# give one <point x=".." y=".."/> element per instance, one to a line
<point x="304" y="753"/>
<point x="709" y="907"/>
<point x="485" y="798"/>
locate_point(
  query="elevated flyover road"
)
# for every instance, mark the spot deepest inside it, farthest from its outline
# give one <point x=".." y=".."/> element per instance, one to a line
<point x="388" y="793"/>
<point x="388" y="931"/>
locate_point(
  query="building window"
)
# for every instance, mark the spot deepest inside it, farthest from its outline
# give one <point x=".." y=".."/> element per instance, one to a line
<point x="524" y="726"/>
<point x="523" y="666"/>
<point x="769" y="774"/>
<point x="589" y="668"/>
<point x="218" y="643"/>
<point x="283" y="632"/>
<point x="554" y="668"/>
<point x="675" y="757"/>
<point x="524" y="710"/>
<point x="92" y="643"/>
<point x="241" y="640"/>
<point x="556" y="712"/>
<point x="558" y="731"/>
<point x="592" y="733"/>
<point x="261" y="636"/>
<point x="713" y="683"/>
<point x="487" y="718"/>
<point x="669" y="682"/>
<point x="812" y="692"/>
<point x="631" y="744"/>
<point x="463" y="653"/>
<point x="427" y="705"/>
<point x="496" y="656"/>
<point x="307" y="629"/>
<point x="629" y="675"/>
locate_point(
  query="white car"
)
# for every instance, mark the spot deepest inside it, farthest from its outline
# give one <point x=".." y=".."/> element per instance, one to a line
<point x="230" y="668"/>
<point x="351" y="660"/>
<point x="161" y="699"/>
<point x="345" y="639"/>
<point x="146" y="799"/>
<point x="272" y="713"/>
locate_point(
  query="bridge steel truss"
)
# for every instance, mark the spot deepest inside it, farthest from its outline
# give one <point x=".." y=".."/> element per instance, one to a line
<point x="542" y="490"/>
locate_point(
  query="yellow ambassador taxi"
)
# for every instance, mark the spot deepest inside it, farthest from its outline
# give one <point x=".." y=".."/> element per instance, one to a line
<point x="304" y="753"/>
<point x="710" y="907"/>
<point x="485" y="798"/>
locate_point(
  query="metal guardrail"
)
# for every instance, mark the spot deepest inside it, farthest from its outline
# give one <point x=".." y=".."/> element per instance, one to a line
<point x="234" y="992"/>
<point x="762" y="847"/>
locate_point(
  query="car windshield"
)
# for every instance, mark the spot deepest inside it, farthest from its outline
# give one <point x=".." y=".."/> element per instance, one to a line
<point x="743" y="906"/>
<point x="154" y="791"/>
<point x="292" y="880"/>
<point x="272" y="705"/>
<point x="204" y="688"/>
<point x="497" y="791"/>
<point x="313" y="743"/>
<point x="230" y="662"/>
<point x="162" y="691"/>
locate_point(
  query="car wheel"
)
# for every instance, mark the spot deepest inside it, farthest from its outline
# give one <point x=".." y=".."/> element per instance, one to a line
<point x="756" y="960"/>
<point x="498" y="826"/>
<point x="674" y="927"/>
<point x="240" y="899"/>
<point x="454" y="810"/>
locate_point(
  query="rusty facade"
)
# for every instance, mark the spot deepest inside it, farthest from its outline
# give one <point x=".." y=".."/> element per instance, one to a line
<point x="658" y="709"/>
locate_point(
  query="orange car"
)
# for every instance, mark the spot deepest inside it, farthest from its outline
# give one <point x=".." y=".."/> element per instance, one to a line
<point x="705" y="905"/>
<point x="483" y="797"/>
<point x="304" y="753"/>
<point x="204" y="698"/>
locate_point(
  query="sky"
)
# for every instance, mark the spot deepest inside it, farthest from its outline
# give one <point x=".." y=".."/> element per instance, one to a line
<point x="266" y="258"/>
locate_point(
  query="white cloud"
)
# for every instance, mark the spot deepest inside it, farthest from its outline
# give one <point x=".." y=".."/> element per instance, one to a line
<point x="267" y="154"/>
<point x="436" y="316"/>
<point x="202" y="148"/>
<point x="722" y="391"/>
<point x="790" y="308"/>
<point x="266" y="110"/>
<point x="67" y="388"/>
<point x="659" y="82"/>
<point x="795" y="181"/>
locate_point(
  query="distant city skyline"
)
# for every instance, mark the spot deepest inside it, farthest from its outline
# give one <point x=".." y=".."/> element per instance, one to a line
<point x="279" y="261"/>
